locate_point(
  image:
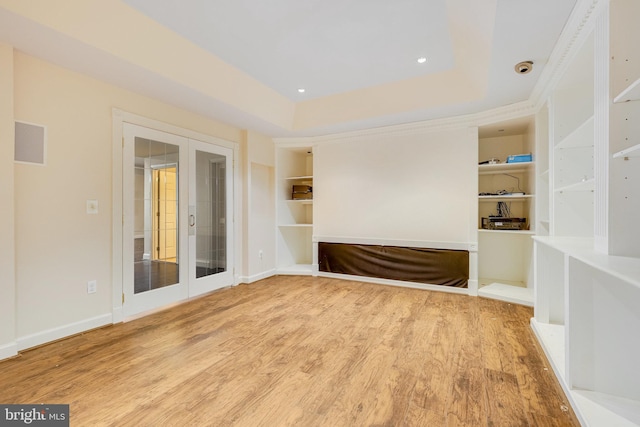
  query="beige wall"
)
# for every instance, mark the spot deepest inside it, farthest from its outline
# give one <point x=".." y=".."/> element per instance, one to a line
<point x="419" y="185"/>
<point x="58" y="246"/>
<point x="7" y="275"/>
<point x="259" y="164"/>
<point x="114" y="32"/>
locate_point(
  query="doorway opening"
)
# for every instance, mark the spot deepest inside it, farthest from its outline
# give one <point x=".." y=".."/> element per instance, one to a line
<point x="156" y="212"/>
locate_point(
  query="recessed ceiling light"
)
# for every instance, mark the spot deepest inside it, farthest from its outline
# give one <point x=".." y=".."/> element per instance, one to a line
<point x="301" y="90"/>
<point x="422" y="60"/>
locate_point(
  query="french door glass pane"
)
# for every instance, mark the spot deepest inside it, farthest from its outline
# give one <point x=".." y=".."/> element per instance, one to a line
<point x="211" y="229"/>
<point x="155" y="215"/>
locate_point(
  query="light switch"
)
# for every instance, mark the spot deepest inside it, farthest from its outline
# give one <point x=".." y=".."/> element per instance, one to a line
<point x="92" y="207"/>
<point x="92" y="286"/>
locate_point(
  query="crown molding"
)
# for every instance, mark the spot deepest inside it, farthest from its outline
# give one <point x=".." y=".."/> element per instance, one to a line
<point x="579" y="26"/>
<point x="508" y="112"/>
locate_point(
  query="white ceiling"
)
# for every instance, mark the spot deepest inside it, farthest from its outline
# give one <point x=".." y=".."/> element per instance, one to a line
<point x="326" y="47"/>
<point x="332" y="48"/>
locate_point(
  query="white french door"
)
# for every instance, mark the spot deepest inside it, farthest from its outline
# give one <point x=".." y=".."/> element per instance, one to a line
<point x="210" y="217"/>
<point x="178" y="218"/>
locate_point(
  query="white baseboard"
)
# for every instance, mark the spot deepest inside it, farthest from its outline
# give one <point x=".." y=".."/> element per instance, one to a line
<point x="256" y="277"/>
<point x="53" y="334"/>
<point x="473" y="287"/>
<point x="399" y="283"/>
<point x="8" y="350"/>
<point x="118" y="315"/>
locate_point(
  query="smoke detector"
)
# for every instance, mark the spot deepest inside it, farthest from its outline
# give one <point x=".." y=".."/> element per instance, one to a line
<point x="524" y="67"/>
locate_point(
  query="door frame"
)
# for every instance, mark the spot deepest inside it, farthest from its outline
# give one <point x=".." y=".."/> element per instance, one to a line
<point x="119" y="117"/>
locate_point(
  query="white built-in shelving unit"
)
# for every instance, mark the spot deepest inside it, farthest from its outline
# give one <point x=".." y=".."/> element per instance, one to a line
<point x="294" y="233"/>
<point x="504" y="255"/>
<point x="587" y="270"/>
<point x="571" y="136"/>
<point x="542" y="174"/>
<point x="586" y="312"/>
<point x="623" y="186"/>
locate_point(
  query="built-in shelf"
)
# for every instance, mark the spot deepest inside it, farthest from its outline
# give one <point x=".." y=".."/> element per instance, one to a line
<point x="628" y="152"/>
<point x="301" y="202"/>
<point x="508" y="292"/>
<point x="504" y="197"/>
<point x="567" y="244"/>
<point x="552" y="339"/>
<point x="502" y="269"/>
<point x="602" y="292"/>
<point x="300" y="178"/>
<point x="607" y="410"/>
<point x="586" y="301"/>
<point x="504" y="167"/>
<point x="582" y="136"/>
<point x="586" y="185"/>
<point x="630" y="93"/>
<point x="294" y="216"/>
<point x="526" y="232"/>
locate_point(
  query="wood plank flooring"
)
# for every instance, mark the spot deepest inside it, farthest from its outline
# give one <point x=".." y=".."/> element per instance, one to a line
<point x="302" y="351"/>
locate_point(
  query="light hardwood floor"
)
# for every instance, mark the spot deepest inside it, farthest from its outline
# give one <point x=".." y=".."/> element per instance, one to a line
<point x="302" y="351"/>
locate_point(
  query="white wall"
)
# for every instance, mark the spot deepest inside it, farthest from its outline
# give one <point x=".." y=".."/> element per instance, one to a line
<point x="261" y="245"/>
<point x="7" y="273"/>
<point x="415" y="185"/>
<point x="58" y="246"/>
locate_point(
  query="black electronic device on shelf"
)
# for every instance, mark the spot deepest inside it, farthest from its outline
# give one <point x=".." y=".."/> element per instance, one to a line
<point x="504" y="223"/>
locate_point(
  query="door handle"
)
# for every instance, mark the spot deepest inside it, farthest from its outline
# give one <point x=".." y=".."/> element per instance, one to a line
<point x="192" y="220"/>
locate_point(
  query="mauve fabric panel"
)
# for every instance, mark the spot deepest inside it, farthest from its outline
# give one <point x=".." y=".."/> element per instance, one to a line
<point x="431" y="266"/>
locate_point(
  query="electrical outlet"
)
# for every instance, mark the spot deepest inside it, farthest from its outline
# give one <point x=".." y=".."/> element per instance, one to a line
<point x="92" y="286"/>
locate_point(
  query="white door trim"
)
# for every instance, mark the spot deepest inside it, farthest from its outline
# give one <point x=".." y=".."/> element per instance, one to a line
<point x="119" y="117"/>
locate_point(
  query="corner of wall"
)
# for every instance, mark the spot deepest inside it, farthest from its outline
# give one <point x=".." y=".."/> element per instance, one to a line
<point x="7" y="209"/>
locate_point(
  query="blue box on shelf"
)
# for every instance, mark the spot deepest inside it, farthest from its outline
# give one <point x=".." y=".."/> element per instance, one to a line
<point x="519" y="158"/>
